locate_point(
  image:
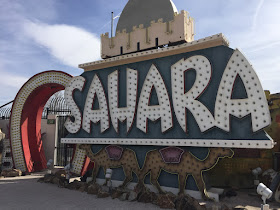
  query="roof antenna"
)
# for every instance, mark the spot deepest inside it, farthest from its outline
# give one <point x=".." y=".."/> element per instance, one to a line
<point x="112" y="24"/>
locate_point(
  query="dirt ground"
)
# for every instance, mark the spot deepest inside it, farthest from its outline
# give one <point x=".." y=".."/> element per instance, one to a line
<point x="26" y="193"/>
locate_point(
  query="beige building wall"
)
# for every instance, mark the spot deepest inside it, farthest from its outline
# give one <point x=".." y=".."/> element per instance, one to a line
<point x="48" y="138"/>
<point x="4" y="124"/>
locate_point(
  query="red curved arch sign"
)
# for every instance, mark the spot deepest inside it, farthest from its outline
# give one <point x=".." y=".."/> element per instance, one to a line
<point x="25" y="121"/>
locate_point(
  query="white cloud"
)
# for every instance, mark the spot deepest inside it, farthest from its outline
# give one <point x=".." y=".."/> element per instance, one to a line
<point x="12" y="81"/>
<point x="10" y="84"/>
<point x="20" y="56"/>
<point x="69" y="44"/>
<point x="255" y="18"/>
<point x="262" y="44"/>
<point x="255" y="29"/>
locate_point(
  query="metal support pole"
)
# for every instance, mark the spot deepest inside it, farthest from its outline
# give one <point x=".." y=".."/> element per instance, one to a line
<point x="6" y="104"/>
<point x="56" y="141"/>
<point x="112" y="24"/>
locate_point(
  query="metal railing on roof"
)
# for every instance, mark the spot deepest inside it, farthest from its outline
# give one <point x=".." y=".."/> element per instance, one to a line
<point x="56" y="105"/>
<point x="5" y="113"/>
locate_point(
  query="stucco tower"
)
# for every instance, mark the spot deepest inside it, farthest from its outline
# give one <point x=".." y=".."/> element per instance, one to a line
<point x="148" y="24"/>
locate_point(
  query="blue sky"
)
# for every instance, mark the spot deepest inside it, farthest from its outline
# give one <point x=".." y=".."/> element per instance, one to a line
<point x="36" y="36"/>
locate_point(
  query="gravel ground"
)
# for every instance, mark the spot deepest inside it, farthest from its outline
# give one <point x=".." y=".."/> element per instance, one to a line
<point x="26" y="193"/>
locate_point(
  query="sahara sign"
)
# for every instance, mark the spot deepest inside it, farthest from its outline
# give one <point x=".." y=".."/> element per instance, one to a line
<point x="212" y="95"/>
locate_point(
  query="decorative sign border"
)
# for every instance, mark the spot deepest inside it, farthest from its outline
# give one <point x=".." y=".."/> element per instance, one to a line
<point x="48" y="77"/>
<point x="259" y="144"/>
<point x="78" y="160"/>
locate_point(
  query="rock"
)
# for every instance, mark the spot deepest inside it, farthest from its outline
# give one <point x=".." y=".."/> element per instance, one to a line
<point x="188" y="202"/>
<point x="48" y="178"/>
<point x="225" y="207"/>
<point x="165" y="202"/>
<point x="102" y="194"/>
<point x="93" y="189"/>
<point x="55" y="180"/>
<point x="83" y="187"/>
<point x="124" y="196"/>
<point x="51" y="178"/>
<point x="11" y="173"/>
<point x="132" y="196"/>
<point x="171" y="196"/>
<point x="105" y="188"/>
<point x="147" y="197"/>
<point x="63" y="182"/>
<point x="75" y="185"/>
<point x="139" y="188"/>
<point x="180" y="203"/>
<point x="116" y="193"/>
<point x="41" y="180"/>
<point x="268" y="176"/>
<point x="60" y="173"/>
<point x="154" y="197"/>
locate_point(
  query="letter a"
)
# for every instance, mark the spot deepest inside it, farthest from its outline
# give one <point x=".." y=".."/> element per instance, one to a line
<point x="101" y="115"/>
<point x="255" y="104"/>
<point x="162" y="111"/>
